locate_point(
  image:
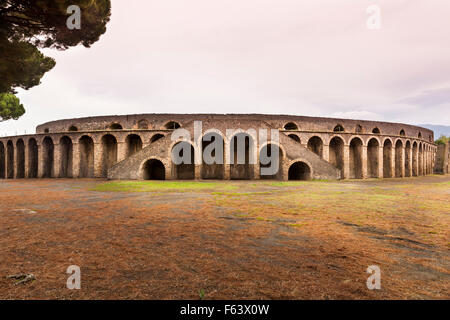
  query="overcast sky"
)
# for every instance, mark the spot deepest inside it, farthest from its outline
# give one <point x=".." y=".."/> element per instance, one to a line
<point x="310" y="57"/>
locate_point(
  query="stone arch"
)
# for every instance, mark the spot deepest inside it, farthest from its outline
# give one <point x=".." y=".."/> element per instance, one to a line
<point x="408" y="159"/>
<point x="358" y="128"/>
<point x="315" y="144"/>
<point x="355" y="159"/>
<point x="387" y="158"/>
<point x="153" y="169"/>
<point x="10" y="160"/>
<point x="142" y="124"/>
<point x="66" y="157"/>
<point x="86" y="145"/>
<point x="48" y="157"/>
<point x="115" y="126"/>
<point x="156" y="137"/>
<point x="419" y="135"/>
<point x="376" y="130"/>
<point x="215" y="170"/>
<point x="2" y="161"/>
<point x="134" y="144"/>
<point x="46" y="130"/>
<point x="270" y="149"/>
<point x="109" y="153"/>
<point x="294" y="137"/>
<point x="399" y="159"/>
<point x="337" y="153"/>
<point x="20" y="159"/>
<point x="242" y="165"/>
<point x="183" y="171"/>
<point x="402" y="133"/>
<point x="291" y="126"/>
<point x="299" y="170"/>
<point x="73" y="128"/>
<point x="338" y="128"/>
<point x="373" y="164"/>
<point x="420" y="159"/>
<point x="415" y="155"/>
<point x="33" y="158"/>
<point x="172" y="125"/>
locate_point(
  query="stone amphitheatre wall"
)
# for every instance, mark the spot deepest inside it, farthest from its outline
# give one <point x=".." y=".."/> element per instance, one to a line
<point x="139" y="147"/>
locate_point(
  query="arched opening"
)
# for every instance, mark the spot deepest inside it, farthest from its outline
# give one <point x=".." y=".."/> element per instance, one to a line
<point x="373" y="148"/>
<point x="241" y="157"/>
<point x="415" y="154"/>
<point x="420" y="135"/>
<point x="109" y="153"/>
<point x="337" y="153"/>
<point x="154" y="170"/>
<point x="46" y="130"/>
<point x="358" y="128"/>
<point x="66" y="155"/>
<point x="408" y="159"/>
<point x="271" y="159"/>
<point x="73" y="128"/>
<point x="399" y="159"/>
<point x="32" y="158"/>
<point x="339" y="128"/>
<point x="172" y="125"/>
<point x="2" y="161"/>
<point x="116" y="126"/>
<point x="299" y="171"/>
<point x="387" y="159"/>
<point x="290" y="126"/>
<point x="213" y="156"/>
<point x="143" y="124"/>
<point x="134" y="144"/>
<point x="420" y="160"/>
<point x="294" y="137"/>
<point x="20" y="145"/>
<point x="376" y="131"/>
<point x="10" y="160"/>
<point x="402" y="132"/>
<point x="356" y="159"/>
<point x="315" y="144"/>
<point x="185" y="170"/>
<point x="49" y="156"/>
<point x="86" y="157"/>
<point x="156" y="137"/>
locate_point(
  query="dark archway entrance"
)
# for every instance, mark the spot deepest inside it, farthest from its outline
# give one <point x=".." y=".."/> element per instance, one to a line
<point x="372" y="158"/>
<point x="186" y="169"/>
<point x="212" y="168"/>
<point x="109" y="153"/>
<point x="33" y="158"/>
<point x="299" y="171"/>
<point x="134" y="144"/>
<point x="86" y="157"/>
<point x="337" y="154"/>
<point x="315" y="144"/>
<point x="154" y="170"/>
<point x="241" y="157"/>
<point x="10" y="160"/>
<point x="387" y="159"/>
<point x="356" y="159"/>
<point x="48" y="161"/>
<point x="66" y="149"/>
<point x="2" y="161"/>
<point x="20" y="145"/>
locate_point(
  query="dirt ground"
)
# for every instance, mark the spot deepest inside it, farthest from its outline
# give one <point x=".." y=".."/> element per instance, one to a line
<point x="226" y="240"/>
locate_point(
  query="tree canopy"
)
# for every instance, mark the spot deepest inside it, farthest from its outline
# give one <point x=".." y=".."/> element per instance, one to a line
<point x="10" y="107"/>
<point x="29" y="25"/>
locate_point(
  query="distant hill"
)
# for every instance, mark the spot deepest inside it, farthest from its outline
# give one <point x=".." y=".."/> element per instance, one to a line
<point x="438" y="130"/>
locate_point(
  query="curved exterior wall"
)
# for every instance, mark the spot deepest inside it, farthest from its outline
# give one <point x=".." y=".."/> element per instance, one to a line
<point x="119" y="147"/>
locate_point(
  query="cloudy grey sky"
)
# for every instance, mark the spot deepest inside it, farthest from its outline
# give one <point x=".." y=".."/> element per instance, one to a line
<point x="310" y="57"/>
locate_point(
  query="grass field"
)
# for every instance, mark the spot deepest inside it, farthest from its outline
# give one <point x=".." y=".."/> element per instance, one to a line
<point x="228" y="240"/>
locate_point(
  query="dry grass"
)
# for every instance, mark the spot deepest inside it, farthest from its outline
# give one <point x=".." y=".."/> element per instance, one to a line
<point x="230" y="240"/>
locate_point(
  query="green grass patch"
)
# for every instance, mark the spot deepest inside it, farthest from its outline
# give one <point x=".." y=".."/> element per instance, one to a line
<point x="160" y="186"/>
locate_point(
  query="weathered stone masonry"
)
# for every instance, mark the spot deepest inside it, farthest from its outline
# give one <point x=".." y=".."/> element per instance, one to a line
<point x="140" y="146"/>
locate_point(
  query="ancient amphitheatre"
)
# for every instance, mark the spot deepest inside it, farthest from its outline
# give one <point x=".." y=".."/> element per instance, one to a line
<point x="139" y="147"/>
